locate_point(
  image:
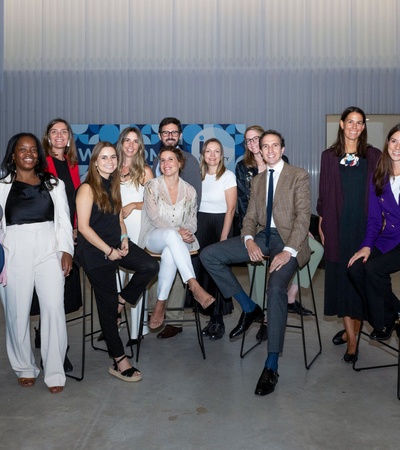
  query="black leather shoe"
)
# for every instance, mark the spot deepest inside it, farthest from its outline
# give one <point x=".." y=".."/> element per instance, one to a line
<point x="350" y="357"/>
<point x="262" y="333"/>
<point x="168" y="332"/>
<point x="246" y="319"/>
<point x="216" y="331"/>
<point x="267" y="382"/>
<point x="338" y="338"/>
<point x="385" y="334"/>
<point x="298" y="308"/>
<point x="206" y="330"/>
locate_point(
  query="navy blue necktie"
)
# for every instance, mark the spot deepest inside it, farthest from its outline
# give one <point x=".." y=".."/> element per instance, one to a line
<point x="269" y="206"/>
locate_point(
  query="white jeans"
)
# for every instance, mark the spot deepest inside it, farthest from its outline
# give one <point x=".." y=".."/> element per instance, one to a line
<point x="32" y="261"/>
<point x="175" y="254"/>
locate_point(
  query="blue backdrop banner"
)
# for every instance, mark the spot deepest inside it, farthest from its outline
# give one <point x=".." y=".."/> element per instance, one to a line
<point x="193" y="138"/>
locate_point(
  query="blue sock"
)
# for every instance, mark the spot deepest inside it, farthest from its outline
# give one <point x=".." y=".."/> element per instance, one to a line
<point x="245" y="301"/>
<point x="272" y="361"/>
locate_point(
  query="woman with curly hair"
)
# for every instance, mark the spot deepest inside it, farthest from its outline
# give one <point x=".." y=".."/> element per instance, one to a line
<point x="37" y="238"/>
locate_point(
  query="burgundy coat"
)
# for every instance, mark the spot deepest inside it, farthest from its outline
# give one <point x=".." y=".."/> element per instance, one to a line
<point x="330" y="201"/>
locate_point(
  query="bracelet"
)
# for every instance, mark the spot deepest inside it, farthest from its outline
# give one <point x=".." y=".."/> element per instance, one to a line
<point x="123" y="236"/>
<point x="106" y="256"/>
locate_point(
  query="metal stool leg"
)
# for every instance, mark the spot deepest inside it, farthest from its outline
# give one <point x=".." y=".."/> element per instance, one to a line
<point x="264" y="307"/>
<point x="301" y="326"/>
<point x="142" y="321"/>
<point x="198" y="329"/>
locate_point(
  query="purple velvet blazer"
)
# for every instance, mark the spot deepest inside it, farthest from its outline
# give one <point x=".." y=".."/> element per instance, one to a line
<point x="330" y="200"/>
<point x="382" y="207"/>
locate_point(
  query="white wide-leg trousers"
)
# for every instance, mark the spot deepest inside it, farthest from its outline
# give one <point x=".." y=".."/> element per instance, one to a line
<point x="32" y="261"/>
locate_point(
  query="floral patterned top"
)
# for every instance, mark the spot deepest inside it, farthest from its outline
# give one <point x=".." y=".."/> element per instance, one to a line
<point x="159" y="211"/>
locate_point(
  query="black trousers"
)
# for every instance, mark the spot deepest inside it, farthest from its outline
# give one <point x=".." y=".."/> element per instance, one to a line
<point x="373" y="282"/>
<point x="104" y="283"/>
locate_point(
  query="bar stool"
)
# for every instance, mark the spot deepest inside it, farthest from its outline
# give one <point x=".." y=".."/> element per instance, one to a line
<point x="196" y="320"/>
<point x="85" y="314"/>
<point x="302" y="322"/>
<point x="385" y="344"/>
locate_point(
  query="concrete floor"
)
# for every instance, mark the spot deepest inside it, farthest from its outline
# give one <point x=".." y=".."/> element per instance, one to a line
<point x="185" y="402"/>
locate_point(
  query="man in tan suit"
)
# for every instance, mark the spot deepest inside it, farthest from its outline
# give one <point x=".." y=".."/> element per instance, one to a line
<point x="283" y="236"/>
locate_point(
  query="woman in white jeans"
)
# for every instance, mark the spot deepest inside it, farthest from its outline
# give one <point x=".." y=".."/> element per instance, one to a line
<point x="168" y="227"/>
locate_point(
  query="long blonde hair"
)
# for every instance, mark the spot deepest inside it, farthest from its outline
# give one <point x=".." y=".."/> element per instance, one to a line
<point x="203" y="165"/>
<point x="137" y="170"/>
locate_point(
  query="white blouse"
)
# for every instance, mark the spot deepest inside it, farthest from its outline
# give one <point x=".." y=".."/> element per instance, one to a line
<point x="159" y="211"/>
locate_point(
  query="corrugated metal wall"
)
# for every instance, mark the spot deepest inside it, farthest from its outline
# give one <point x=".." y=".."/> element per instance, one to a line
<point x="282" y="64"/>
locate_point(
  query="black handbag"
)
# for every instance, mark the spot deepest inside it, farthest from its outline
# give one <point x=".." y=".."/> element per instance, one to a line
<point x="72" y="293"/>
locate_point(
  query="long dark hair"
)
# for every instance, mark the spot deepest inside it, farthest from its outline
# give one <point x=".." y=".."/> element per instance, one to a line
<point x="339" y="145"/>
<point x="8" y="167"/>
<point x="94" y="179"/>
<point x="384" y="169"/>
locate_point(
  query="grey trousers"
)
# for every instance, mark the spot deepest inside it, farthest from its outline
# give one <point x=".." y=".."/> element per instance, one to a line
<point x="216" y="259"/>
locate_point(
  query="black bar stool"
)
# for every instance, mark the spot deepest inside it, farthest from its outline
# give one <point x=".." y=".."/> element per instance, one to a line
<point x="85" y="314"/>
<point x="385" y="344"/>
<point x="302" y="321"/>
<point x="196" y="319"/>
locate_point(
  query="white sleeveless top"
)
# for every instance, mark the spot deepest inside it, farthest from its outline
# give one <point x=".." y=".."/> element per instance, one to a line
<point x="130" y="194"/>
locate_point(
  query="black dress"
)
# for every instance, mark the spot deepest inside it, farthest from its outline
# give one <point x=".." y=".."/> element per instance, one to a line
<point x="341" y="298"/>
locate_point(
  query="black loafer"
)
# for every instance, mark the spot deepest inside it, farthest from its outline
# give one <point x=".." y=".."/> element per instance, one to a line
<point x="267" y="382"/>
<point x="246" y="319"/>
<point x="338" y="338"/>
<point x="216" y="331"/>
<point x="298" y="308"/>
<point x="385" y="334"/>
<point x="350" y="357"/>
<point x="168" y="332"/>
<point x="262" y="333"/>
<point x="206" y="330"/>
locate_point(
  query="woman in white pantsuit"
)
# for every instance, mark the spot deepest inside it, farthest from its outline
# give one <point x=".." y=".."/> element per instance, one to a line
<point x="37" y="238"/>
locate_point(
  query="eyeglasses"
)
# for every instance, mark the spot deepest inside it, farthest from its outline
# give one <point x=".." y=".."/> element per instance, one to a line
<point x="253" y="140"/>
<point x="172" y="133"/>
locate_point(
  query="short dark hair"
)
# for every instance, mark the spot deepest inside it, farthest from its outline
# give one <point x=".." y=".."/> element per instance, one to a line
<point x="167" y="121"/>
<point x="178" y="153"/>
<point x="276" y="133"/>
